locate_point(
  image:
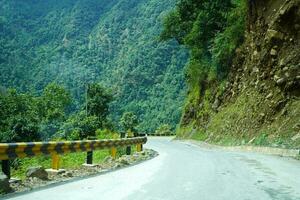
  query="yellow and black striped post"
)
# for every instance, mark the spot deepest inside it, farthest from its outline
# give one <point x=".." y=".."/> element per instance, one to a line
<point x="9" y="151"/>
<point x="6" y="168"/>
<point x="128" y="148"/>
<point x="89" y="157"/>
<point x="55" y="161"/>
<point x="139" y="147"/>
<point x="114" y="152"/>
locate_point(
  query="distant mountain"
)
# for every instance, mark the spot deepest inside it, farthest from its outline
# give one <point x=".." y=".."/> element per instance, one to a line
<point x="76" y="42"/>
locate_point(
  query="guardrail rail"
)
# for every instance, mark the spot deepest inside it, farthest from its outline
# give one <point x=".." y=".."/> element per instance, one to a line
<point x="9" y="151"/>
<point x="156" y="134"/>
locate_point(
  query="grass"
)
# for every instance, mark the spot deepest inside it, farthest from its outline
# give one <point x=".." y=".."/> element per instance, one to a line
<point x="248" y="117"/>
<point x="200" y="136"/>
<point x="68" y="161"/>
<point x="262" y="140"/>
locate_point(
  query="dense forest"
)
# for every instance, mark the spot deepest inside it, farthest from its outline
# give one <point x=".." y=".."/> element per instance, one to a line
<point x="77" y="43"/>
<point x="212" y="30"/>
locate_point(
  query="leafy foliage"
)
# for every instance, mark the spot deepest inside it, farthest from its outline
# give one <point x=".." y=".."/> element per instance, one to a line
<point x="164" y="129"/>
<point x="77" y="42"/>
<point x="129" y="121"/>
<point x="79" y="126"/>
<point x="55" y="100"/>
<point x="85" y="123"/>
<point x="212" y="30"/>
<point x="25" y="117"/>
<point x="98" y="100"/>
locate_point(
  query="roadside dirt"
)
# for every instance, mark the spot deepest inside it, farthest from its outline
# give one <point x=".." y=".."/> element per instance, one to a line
<point x="85" y="171"/>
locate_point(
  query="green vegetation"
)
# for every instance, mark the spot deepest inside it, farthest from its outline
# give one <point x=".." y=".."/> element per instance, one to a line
<point x="129" y="122"/>
<point x="212" y="30"/>
<point x="164" y="129"/>
<point x="68" y="161"/>
<point x="53" y="53"/>
<point x="98" y="100"/>
<point x="25" y="117"/>
<point x="78" y="42"/>
<point x="93" y="116"/>
<point x="242" y="122"/>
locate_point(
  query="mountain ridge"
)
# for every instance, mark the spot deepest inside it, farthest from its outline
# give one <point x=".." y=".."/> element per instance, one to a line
<point x="78" y="42"/>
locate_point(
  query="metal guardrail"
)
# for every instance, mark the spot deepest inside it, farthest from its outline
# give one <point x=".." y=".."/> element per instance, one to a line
<point x="153" y="134"/>
<point x="10" y="151"/>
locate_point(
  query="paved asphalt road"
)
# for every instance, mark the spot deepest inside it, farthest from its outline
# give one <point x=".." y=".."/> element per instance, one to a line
<point x="186" y="172"/>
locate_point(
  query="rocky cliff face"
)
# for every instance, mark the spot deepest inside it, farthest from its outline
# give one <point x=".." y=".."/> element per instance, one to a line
<point x="259" y="104"/>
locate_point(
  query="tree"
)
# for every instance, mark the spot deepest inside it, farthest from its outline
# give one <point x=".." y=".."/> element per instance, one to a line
<point x="54" y="101"/>
<point x="164" y="129"/>
<point x="19" y="121"/>
<point x="53" y="105"/>
<point x="98" y="100"/>
<point x="95" y="47"/>
<point x="79" y="126"/>
<point x="129" y="121"/>
<point x="83" y="125"/>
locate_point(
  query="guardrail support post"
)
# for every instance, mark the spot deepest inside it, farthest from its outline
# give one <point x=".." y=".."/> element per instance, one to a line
<point x="55" y="161"/>
<point x="89" y="157"/>
<point x="128" y="150"/>
<point x="139" y="147"/>
<point x="6" y="168"/>
<point x="114" y="152"/>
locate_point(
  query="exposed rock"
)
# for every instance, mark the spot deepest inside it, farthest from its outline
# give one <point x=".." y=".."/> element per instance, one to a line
<point x="281" y="63"/>
<point x="256" y="83"/>
<point x="285" y="69"/>
<point x="274" y="35"/>
<point x="296" y="127"/>
<point x="273" y="52"/>
<point x="124" y="161"/>
<point x="14" y="180"/>
<point x="270" y="95"/>
<point x="54" y="172"/>
<point x="255" y="70"/>
<point x="216" y="104"/>
<point x="262" y="116"/>
<point x="281" y="81"/>
<point x="68" y="174"/>
<point x="287" y="75"/>
<point x="263" y="76"/>
<point x="296" y="137"/>
<point x="284" y="111"/>
<point x="255" y="53"/>
<point x="118" y="165"/>
<point x="252" y="140"/>
<point x="4" y="184"/>
<point x="37" y="172"/>
<point x="108" y="159"/>
<point x="276" y="78"/>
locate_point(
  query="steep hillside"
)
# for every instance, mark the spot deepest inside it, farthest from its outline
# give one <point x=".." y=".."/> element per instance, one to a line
<point x="83" y="41"/>
<point x="258" y="102"/>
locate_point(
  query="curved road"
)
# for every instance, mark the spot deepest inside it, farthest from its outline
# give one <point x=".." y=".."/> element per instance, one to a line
<point x="186" y="172"/>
